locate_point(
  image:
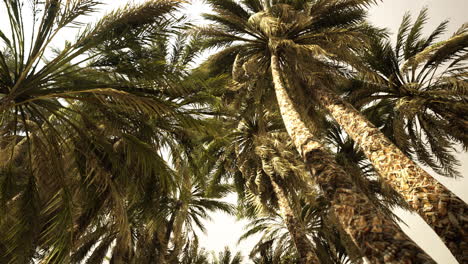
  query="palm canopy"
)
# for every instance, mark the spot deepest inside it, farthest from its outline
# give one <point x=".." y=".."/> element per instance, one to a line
<point x="285" y="40"/>
<point x="159" y="224"/>
<point x="329" y="243"/>
<point x="84" y="161"/>
<point x="419" y="98"/>
<point x="226" y="257"/>
<point x="36" y="86"/>
<point x="319" y="30"/>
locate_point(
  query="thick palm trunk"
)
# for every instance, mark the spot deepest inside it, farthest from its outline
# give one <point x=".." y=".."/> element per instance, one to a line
<point x="441" y="209"/>
<point x="379" y="238"/>
<point x="295" y="227"/>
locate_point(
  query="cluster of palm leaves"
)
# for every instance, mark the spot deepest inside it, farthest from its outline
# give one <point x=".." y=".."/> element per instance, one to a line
<point x="114" y="148"/>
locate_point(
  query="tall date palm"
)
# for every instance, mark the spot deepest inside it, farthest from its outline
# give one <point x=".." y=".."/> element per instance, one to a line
<point x="259" y="37"/>
<point x="419" y="101"/>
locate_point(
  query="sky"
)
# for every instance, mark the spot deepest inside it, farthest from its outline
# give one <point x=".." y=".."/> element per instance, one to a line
<point x="224" y="230"/>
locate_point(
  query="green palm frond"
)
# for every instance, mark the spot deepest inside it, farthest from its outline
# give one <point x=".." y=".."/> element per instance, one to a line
<point x="226" y="257"/>
<point x="420" y="91"/>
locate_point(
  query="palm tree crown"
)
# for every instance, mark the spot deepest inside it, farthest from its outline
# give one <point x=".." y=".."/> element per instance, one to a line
<point x="419" y="98"/>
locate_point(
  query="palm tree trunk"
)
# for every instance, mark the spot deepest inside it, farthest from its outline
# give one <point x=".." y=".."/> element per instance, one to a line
<point x="178" y="241"/>
<point x="379" y="238"/>
<point x="438" y="206"/>
<point x="295" y="227"/>
<point x="157" y="251"/>
<point x="164" y="244"/>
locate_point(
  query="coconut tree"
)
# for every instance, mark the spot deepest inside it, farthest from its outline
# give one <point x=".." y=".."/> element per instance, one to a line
<point x="418" y="101"/>
<point x="261" y="37"/>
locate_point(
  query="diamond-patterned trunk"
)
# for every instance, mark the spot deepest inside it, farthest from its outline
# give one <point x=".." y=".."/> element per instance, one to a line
<point x="379" y="238"/>
<point x="445" y="212"/>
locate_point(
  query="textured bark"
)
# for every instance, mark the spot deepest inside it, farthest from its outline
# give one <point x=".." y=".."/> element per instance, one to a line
<point x="178" y="240"/>
<point x="157" y="254"/>
<point x="439" y="207"/>
<point x="164" y="244"/>
<point x="379" y="238"/>
<point x="295" y="227"/>
<point x="353" y="251"/>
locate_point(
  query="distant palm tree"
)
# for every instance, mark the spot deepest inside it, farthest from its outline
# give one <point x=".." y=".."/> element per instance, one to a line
<point x="275" y="37"/>
<point x="265" y="254"/>
<point x="239" y="153"/>
<point x="147" y="223"/>
<point x="271" y="172"/>
<point x="192" y="254"/>
<point x="273" y="231"/>
<point x="276" y="243"/>
<point x="226" y="257"/>
<point x="419" y="101"/>
<point x="194" y="204"/>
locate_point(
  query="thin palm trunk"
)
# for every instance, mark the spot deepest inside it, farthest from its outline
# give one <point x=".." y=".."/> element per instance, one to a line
<point x="169" y="229"/>
<point x="379" y="238"/>
<point x="157" y="245"/>
<point x="438" y="206"/>
<point x="178" y="240"/>
<point x="295" y="227"/>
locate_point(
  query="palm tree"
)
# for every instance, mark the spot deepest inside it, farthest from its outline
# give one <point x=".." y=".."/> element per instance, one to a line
<point x="351" y="157"/>
<point x="164" y="216"/>
<point x="264" y="36"/>
<point x="273" y="174"/>
<point x="411" y="84"/>
<point x="271" y="168"/>
<point x="276" y="240"/>
<point x="194" y="203"/>
<point x="80" y="150"/>
<point x="226" y="257"/>
<point x="31" y="88"/>
<point x="265" y="253"/>
<point x="147" y="224"/>
<point x="423" y="111"/>
<point x="255" y="172"/>
<point x="192" y="254"/>
<point x="273" y="231"/>
<point x="35" y="92"/>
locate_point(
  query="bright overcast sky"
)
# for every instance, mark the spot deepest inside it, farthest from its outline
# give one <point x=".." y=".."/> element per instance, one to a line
<point x="225" y="231"/>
